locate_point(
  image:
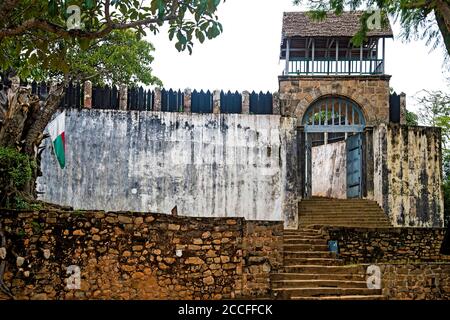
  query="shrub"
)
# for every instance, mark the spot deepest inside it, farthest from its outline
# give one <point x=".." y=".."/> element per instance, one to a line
<point x="16" y="170"/>
<point x="447" y="202"/>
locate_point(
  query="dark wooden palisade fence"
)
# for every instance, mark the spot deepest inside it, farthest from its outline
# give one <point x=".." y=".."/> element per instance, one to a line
<point x="230" y="102"/>
<point x="394" y="108"/>
<point x="139" y="99"/>
<point x="172" y="101"/>
<point x="73" y="97"/>
<point x="105" y="98"/>
<point x="261" y="103"/>
<point x="201" y="102"/>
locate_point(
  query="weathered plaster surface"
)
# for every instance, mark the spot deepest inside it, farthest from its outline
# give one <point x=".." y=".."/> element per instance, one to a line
<point x="408" y="176"/>
<point x="329" y="170"/>
<point x="208" y="165"/>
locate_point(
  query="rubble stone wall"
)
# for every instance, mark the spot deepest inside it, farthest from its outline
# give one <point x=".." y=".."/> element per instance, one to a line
<point x="399" y="245"/>
<point x="138" y="255"/>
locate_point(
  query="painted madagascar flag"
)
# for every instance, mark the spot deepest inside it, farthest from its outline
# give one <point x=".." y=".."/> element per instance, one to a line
<point x="56" y="130"/>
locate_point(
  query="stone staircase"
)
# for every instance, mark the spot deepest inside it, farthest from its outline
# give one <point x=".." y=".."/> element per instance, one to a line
<point x="346" y="213"/>
<point x="311" y="272"/>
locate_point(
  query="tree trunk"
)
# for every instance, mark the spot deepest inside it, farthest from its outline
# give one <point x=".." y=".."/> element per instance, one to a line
<point x="33" y="137"/>
<point x="18" y="106"/>
<point x="442" y="14"/>
<point x="23" y="120"/>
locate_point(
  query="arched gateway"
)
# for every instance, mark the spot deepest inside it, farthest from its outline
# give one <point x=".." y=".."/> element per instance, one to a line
<point x="333" y="119"/>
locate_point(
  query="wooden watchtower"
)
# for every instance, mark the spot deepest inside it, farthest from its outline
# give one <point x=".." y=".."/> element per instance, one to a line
<point x="325" y="47"/>
<point x="322" y="61"/>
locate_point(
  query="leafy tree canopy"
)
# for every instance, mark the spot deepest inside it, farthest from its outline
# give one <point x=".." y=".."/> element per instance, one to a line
<point x="120" y="57"/>
<point x="411" y="118"/>
<point x="42" y="31"/>
<point x="435" y="112"/>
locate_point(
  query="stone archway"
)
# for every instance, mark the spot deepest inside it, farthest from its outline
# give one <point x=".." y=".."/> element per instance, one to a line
<point x="333" y="126"/>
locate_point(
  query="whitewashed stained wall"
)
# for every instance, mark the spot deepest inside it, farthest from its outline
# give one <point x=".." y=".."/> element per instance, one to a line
<point x="207" y="165"/>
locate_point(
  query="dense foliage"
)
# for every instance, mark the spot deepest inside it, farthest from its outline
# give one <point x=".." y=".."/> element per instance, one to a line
<point x="15" y="172"/>
<point x="122" y="57"/>
<point x="34" y="29"/>
<point x="411" y="118"/>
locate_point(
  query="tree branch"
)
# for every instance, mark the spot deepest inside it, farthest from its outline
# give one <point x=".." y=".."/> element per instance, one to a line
<point x="35" y="133"/>
<point x="442" y="14"/>
<point x="421" y="4"/>
<point x="7" y="6"/>
<point x="44" y="25"/>
<point x="107" y="14"/>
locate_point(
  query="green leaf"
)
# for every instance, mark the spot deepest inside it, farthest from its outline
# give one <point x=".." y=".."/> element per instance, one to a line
<point x="161" y="9"/>
<point x="171" y="33"/>
<point x="200" y="36"/>
<point x="89" y="4"/>
<point x="181" y="38"/>
<point x="84" y="43"/>
<point x="52" y="8"/>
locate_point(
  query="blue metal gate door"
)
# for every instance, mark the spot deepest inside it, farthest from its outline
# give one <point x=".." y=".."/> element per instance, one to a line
<point x="354" y="166"/>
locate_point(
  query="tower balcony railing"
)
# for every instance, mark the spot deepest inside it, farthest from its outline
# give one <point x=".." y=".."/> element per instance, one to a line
<point x="329" y="66"/>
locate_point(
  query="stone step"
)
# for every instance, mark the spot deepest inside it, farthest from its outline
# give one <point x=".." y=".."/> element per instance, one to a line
<point x="347" y="218"/>
<point x="342" y="216"/>
<point x="321" y="269"/>
<point x="331" y="220"/>
<point x="337" y="207"/>
<point x="319" y="283"/>
<point x="355" y="225"/>
<point x="340" y="203"/>
<point x="348" y="224"/>
<point x="312" y="261"/>
<point x="358" y="298"/>
<point x="328" y="200"/>
<point x="318" y="276"/>
<point x="305" y="247"/>
<point x="312" y="230"/>
<point x="301" y="236"/>
<point x="308" y="254"/>
<point x="361" y="224"/>
<point x="346" y="213"/>
<point x="305" y="241"/>
<point x="333" y="207"/>
<point x="319" y="291"/>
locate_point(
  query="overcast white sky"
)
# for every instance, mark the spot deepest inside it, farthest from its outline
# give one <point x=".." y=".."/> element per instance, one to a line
<point x="245" y="56"/>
